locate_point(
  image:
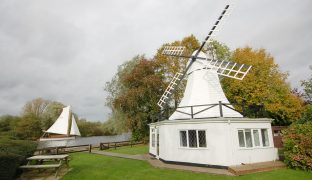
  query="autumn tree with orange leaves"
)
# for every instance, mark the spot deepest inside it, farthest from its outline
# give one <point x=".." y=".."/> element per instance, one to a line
<point x="264" y="85"/>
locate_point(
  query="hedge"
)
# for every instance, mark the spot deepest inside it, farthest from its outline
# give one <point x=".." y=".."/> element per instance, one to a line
<point x="12" y="154"/>
<point x="9" y="163"/>
<point x="297" y="141"/>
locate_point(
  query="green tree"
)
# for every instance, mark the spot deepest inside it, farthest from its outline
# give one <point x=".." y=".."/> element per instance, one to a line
<point x="8" y="124"/>
<point x="37" y="115"/>
<point x="264" y="85"/>
<point x="139" y="102"/>
<point x="307" y="88"/>
<point x="29" y="127"/>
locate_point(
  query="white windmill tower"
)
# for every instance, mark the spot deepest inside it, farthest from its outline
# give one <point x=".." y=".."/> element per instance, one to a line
<point x="203" y="95"/>
<point x="205" y="129"/>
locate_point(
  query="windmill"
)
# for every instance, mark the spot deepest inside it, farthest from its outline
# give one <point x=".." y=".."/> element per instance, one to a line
<point x="203" y="95"/>
<point x="205" y="130"/>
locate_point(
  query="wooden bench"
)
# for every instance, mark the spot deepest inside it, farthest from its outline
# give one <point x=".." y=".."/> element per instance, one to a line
<point x="40" y="159"/>
<point x="44" y="166"/>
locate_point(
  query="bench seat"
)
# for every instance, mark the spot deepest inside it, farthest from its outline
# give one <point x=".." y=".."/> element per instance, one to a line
<point x="40" y="166"/>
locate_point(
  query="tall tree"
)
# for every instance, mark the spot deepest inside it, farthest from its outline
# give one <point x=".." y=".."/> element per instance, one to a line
<point x="37" y="115"/>
<point x="264" y="85"/>
<point x="169" y="66"/>
<point x="139" y="102"/>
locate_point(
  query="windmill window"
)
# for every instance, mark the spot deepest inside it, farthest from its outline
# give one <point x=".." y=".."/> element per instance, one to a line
<point x="153" y="140"/>
<point x="192" y="138"/>
<point x="248" y="138"/>
<point x="256" y="137"/>
<point x="202" y="138"/>
<point x="241" y="138"/>
<point x="265" y="137"/>
<point x="183" y="139"/>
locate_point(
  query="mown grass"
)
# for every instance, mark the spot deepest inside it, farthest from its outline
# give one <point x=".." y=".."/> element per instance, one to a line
<point x="136" y="149"/>
<point x="93" y="166"/>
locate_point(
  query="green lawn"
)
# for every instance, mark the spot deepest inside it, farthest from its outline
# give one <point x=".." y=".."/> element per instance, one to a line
<point x="136" y="149"/>
<point x="93" y="166"/>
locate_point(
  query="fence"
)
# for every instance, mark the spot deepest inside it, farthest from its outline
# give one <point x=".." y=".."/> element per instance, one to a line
<point x="251" y="110"/>
<point x="86" y="147"/>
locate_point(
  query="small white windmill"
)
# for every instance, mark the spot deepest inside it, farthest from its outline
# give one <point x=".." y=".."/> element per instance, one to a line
<point x="205" y="130"/>
<point x="203" y="95"/>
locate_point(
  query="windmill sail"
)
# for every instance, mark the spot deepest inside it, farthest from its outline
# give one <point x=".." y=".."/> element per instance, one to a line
<point x="178" y="50"/>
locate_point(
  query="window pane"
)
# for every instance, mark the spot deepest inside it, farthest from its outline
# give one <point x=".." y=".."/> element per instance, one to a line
<point x="256" y="137"/>
<point x="153" y="140"/>
<point x="192" y="138"/>
<point x="202" y="138"/>
<point x="183" y="142"/>
<point x="241" y="138"/>
<point x="248" y="138"/>
<point x="265" y="137"/>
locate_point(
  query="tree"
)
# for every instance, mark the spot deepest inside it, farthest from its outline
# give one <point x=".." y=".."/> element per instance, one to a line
<point x="169" y="66"/>
<point x="264" y="85"/>
<point x="307" y="88"/>
<point x="139" y="102"/>
<point x="8" y="124"/>
<point x="297" y="141"/>
<point x="29" y="127"/>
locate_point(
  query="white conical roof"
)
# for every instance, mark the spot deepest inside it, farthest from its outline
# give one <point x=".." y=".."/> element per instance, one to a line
<point x="203" y="87"/>
<point x="74" y="128"/>
<point x="60" y="126"/>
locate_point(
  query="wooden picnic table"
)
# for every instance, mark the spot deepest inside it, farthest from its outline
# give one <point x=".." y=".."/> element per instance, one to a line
<point x="40" y="159"/>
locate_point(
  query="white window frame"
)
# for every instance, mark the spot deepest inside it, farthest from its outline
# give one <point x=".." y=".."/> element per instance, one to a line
<point x="253" y="139"/>
<point x="153" y="141"/>
<point x="197" y="138"/>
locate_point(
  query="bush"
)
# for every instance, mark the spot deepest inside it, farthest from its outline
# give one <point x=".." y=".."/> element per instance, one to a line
<point x="21" y="147"/>
<point x="297" y="141"/>
<point x="8" y="164"/>
<point x="12" y="154"/>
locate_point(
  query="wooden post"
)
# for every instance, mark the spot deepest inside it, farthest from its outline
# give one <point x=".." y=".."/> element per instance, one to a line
<point x="131" y="143"/>
<point x="90" y="147"/>
<point x="192" y="116"/>
<point x="115" y="145"/>
<point x="57" y="149"/>
<point x="220" y="107"/>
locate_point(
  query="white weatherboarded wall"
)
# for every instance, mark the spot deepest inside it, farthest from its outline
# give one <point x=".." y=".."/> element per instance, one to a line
<point x="222" y="142"/>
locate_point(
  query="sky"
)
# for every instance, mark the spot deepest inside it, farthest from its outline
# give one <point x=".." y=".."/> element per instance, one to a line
<point x="65" y="50"/>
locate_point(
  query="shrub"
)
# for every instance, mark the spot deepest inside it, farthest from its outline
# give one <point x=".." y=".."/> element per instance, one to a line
<point x="12" y="154"/>
<point x="8" y="164"/>
<point x="297" y="141"/>
<point x="20" y="147"/>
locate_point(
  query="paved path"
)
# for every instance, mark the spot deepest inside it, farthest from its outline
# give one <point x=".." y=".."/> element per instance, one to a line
<point x="159" y="164"/>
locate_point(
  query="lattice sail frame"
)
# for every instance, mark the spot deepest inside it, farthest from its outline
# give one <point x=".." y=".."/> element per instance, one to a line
<point x="173" y="50"/>
<point x="228" y="68"/>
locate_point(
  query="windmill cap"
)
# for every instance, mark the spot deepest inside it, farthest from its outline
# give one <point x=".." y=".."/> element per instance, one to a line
<point x="199" y="63"/>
